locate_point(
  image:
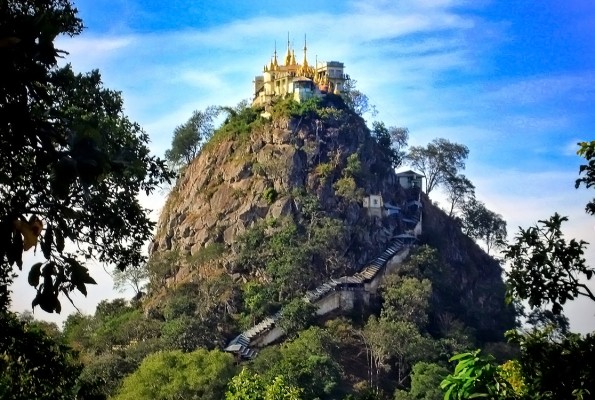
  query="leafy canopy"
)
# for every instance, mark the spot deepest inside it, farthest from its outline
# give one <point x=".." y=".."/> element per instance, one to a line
<point x="32" y="365"/>
<point x="189" y="137"/>
<point x="545" y="268"/>
<point x="392" y="141"/>
<point x="587" y="150"/>
<point x="483" y="224"/>
<point x="438" y="161"/>
<point x="71" y="163"/>
<point x="247" y="386"/>
<point x="175" y="375"/>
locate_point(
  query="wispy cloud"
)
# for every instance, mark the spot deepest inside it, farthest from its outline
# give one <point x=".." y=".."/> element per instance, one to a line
<point x="575" y="87"/>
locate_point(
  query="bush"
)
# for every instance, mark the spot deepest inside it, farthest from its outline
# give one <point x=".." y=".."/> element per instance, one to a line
<point x="211" y="252"/>
<point x="297" y="315"/>
<point x="270" y="195"/>
<point x="237" y="126"/>
<point x="324" y="169"/>
<point x="175" y="375"/>
<point x="346" y="187"/>
<point x="354" y="166"/>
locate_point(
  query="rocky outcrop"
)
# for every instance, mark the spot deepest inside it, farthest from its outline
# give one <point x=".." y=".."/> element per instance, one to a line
<point x="472" y="277"/>
<point x="236" y="181"/>
<point x="274" y="169"/>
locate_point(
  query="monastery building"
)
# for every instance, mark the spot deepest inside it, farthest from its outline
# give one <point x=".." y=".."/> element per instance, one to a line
<point x="303" y="81"/>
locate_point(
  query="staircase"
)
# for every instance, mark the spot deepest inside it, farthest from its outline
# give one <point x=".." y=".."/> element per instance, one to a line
<point x="240" y="345"/>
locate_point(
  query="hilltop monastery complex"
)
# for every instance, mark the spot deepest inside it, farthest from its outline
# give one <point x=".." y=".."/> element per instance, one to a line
<point x="302" y="80"/>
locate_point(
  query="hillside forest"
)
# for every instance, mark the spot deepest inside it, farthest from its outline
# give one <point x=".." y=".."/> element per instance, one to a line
<point x="290" y="260"/>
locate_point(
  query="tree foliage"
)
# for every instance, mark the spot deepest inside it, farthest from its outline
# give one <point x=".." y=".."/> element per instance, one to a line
<point x="482" y="224"/>
<point x="32" y="365"/>
<point x="407" y="300"/>
<point x="545" y="269"/>
<point x="72" y="163"/>
<point x="459" y="191"/>
<point x="189" y="137"/>
<point x="396" y="343"/>
<point x="102" y="375"/>
<point x="425" y="382"/>
<point x="297" y="315"/>
<point x="307" y="362"/>
<point x="175" y="375"/>
<point x="556" y="367"/>
<point x="355" y="100"/>
<point x="134" y="277"/>
<point x="587" y="150"/>
<point x="392" y="141"/>
<point x="438" y="161"/>
<point x="285" y="250"/>
<point x="247" y="386"/>
<point x="476" y="375"/>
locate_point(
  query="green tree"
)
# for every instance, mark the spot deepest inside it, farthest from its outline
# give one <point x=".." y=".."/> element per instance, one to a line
<point x="77" y="330"/>
<point x="407" y="300"/>
<point x="49" y="328"/>
<point x="459" y="190"/>
<point x="257" y="299"/>
<point x="483" y="224"/>
<point x="355" y="100"/>
<point x="72" y="164"/>
<point x="188" y="333"/>
<point x="247" y="386"/>
<point x="134" y="277"/>
<point x="189" y="137"/>
<point x="394" y="343"/>
<point x="175" y="375"/>
<point x="554" y="366"/>
<point x="297" y="315"/>
<point x="102" y="375"/>
<point x="545" y="269"/>
<point x="392" y="141"/>
<point x="587" y="150"/>
<point x="476" y="375"/>
<point x="33" y="365"/>
<point x="307" y="362"/>
<point x="438" y="161"/>
<point x="425" y="383"/>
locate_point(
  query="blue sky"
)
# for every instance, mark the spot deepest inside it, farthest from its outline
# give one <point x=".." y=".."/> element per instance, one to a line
<point x="513" y="80"/>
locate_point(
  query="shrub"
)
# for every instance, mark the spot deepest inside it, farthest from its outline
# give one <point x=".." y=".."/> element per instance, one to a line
<point x="346" y="187"/>
<point x="211" y="252"/>
<point x="324" y="169"/>
<point x="354" y="166"/>
<point x="270" y="195"/>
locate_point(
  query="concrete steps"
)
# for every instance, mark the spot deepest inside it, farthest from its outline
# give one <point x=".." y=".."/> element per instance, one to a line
<point x="240" y="344"/>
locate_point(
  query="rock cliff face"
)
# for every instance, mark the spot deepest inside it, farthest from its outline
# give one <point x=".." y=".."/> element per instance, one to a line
<point x="241" y="178"/>
<point x="310" y="169"/>
<point x="475" y="284"/>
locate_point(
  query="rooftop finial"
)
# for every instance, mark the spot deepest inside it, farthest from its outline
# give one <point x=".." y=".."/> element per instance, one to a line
<point x="288" y="55"/>
<point x="305" y="53"/>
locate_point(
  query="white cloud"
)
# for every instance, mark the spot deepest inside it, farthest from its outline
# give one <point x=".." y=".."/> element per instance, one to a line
<point x="541" y="89"/>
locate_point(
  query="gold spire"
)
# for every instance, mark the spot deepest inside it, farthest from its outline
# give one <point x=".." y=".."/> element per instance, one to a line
<point x="275" y="57"/>
<point x="288" y="55"/>
<point x="305" y="66"/>
<point x="293" y="62"/>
